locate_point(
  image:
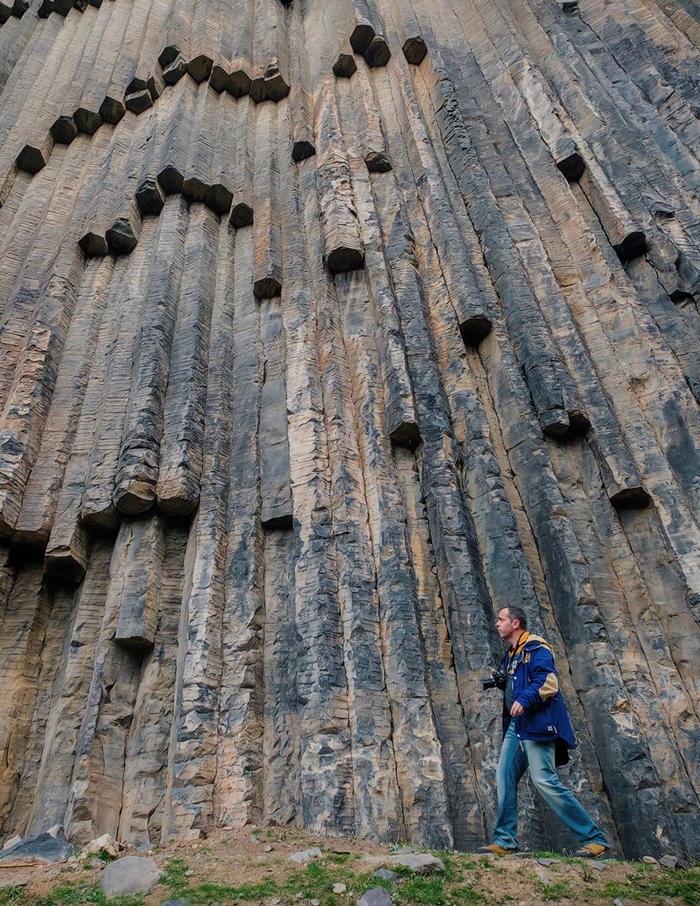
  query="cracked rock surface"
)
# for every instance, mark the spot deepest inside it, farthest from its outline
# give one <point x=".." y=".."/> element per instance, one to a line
<point x="328" y="329"/>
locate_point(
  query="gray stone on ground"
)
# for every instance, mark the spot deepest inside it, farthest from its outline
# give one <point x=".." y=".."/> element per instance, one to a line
<point x="104" y="844"/>
<point x="386" y="874"/>
<point x="130" y="874"/>
<point x="422" y="863"/>
<point x="599" y="866"/>
<point x="176" y="903"/>
<point x="306" y="855"/>
<point x="145" y="848"/>
<point x="339" y="888"/>
<point x="43" y="847"/>
<point x="377" y="896"/>
<point x="545" y="861"/>
<point x="669" y="861"/>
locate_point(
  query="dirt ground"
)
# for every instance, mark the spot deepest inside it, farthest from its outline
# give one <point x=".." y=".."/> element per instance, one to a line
<point x="253" y="866"/>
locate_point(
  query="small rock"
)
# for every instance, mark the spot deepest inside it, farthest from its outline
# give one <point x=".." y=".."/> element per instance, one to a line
<point x="176" y="903"/>
<point x="422" y="863"/>
<point x="306" y="855"/>
<point x="315" y="902"/>
<point x="386" y="874"/>
<point x="189" y="872"/>
<point x="13" y="841"/>
<point x="104" y="844"/>
<point x="274" y="901"/>
<point x="546" y="861"/>
<point x="96" y="863"/>
<point x="145" y="848"/>
<point x="377" y="896"/>
<point x="650" y="860"/>
<point x="543" y="876"/>
<point x="130" y="874"/>
<point x="617" y="902"/>
<point x="599" y="866"/>
<point x="669" y="861"/>
<point x="267" y="848"/>
<point x="667" y="901"/>
<point x="299" y="896"/>
<point x="254" y="839"/>
<point x="43" y="847"/>
<point x="339" y="888"/>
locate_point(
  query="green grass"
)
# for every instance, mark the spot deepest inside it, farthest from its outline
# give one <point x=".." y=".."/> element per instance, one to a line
<point x="453" y="865"/>
<point x="75" y="894"/>
<point x="179" y="884"/>
<point x="174" y="876"/>
<point x="316" y="881"/>
<point x="11" y="895"/>
<point x="557" y="890"/>
<point x="425" y="891"/>
<point x="466" y="894"/>
<point x="567" y="860"/>
<point x="678" y="883"/>
<point x="211" y="893"/>
<point x="617" y="890"/>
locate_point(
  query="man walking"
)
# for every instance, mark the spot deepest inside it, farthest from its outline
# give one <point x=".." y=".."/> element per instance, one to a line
<point x="536" y="734"/>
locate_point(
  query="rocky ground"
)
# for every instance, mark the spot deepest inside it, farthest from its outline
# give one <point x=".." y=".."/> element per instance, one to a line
<point x="256" y="867"/>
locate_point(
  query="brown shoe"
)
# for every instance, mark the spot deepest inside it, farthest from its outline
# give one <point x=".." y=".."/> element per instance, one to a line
<point x="590" y="851"/>
<point x="497" y="850"/>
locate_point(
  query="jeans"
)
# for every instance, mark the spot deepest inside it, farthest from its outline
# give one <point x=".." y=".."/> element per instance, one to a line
<point x="539" y="756"/>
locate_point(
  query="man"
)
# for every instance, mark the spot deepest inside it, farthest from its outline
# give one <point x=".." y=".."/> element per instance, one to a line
<point x="536" y="730"/>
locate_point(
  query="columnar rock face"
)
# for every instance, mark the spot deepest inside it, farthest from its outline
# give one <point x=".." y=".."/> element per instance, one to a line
<point x="328" y="329"/>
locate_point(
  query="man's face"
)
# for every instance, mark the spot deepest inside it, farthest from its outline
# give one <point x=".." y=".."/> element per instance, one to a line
<point x="504" y="625"/>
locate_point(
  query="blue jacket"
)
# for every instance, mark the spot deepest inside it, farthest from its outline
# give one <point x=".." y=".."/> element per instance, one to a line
<point x="536" y="687"/>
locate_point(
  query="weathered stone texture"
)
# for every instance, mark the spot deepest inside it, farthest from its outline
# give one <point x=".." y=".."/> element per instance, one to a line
<point x="327" y="329"/>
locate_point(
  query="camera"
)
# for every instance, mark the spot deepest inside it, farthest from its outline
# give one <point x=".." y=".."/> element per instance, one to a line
<point x="497" y="681"/>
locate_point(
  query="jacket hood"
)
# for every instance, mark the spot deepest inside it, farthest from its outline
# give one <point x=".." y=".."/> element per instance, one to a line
<point x="536" y="641"/>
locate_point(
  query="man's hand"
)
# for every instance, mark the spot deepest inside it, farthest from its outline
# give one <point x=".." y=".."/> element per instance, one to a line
<point x="517" y="709"/>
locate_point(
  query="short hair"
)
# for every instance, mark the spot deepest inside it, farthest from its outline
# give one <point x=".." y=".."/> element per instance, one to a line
<point x="517" y="613"/>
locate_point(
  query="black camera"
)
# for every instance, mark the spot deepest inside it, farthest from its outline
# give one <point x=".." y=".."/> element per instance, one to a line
<point x="497" y="681"/>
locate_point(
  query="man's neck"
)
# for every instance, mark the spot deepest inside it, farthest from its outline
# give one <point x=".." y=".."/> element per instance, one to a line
<point x="515" y="638"/>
